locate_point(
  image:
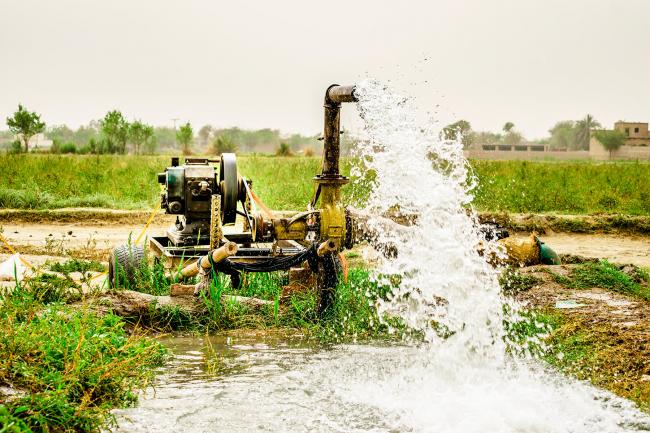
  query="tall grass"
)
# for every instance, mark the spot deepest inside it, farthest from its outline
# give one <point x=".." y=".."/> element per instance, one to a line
<point x="129" y="182"/>
<point x="352" y="315"/>
<point x="563" y="187"/>
<point x="69" y="367"/>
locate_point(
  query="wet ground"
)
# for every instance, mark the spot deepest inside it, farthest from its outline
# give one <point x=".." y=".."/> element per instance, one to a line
<point x="276" y="383"/>
<point x="54" y="239"/>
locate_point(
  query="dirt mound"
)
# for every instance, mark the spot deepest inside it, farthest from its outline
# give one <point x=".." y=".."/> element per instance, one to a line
<point x="545" y="223"/>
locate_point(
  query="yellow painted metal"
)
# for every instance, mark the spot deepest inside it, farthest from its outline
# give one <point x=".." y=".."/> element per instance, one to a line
<point x="332" y="214"/>
<point x="285" y="230"/>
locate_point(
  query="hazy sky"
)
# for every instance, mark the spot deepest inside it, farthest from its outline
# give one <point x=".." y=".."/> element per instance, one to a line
<point x="262" y="64"/>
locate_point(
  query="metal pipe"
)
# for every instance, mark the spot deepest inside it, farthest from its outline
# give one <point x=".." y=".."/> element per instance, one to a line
<point x="327" y="247"/>
<point x="338" y="94"/>
<point x="334" y="96"/>
<point x="219" y="254"/>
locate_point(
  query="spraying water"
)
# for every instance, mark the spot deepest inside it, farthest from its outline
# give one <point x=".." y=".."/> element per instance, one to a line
<point x="460" y="380"/>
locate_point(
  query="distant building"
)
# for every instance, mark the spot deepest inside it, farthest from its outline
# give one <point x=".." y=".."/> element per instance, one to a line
<point x="636" y="132"/>
<point x="526" y="146"/>
<point x="637" y="143"/>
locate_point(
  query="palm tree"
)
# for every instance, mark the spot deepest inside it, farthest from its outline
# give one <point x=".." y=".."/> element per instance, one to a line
<point x="583" y="131"/>
<point x="508" y="127"/>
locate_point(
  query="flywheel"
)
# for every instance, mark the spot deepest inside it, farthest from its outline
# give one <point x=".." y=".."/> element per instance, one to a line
<point x="229" y="187"/>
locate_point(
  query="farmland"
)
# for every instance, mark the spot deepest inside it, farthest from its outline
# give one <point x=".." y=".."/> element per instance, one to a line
<point x="129" y="182"/>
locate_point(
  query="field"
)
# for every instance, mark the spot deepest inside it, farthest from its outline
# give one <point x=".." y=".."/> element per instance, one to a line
<point x="129" y="182"/>
<point x="64" y="384"/>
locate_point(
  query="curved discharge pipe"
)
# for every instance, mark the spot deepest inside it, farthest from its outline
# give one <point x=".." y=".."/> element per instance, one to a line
<point x="334" y="96"/>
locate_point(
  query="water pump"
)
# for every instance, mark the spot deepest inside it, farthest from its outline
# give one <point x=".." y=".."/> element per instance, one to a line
<point x="219" y="216"/>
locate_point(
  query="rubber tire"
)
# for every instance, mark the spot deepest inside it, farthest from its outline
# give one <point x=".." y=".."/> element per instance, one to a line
<point x="124" y="261"/>
<point x="327" y="278"/>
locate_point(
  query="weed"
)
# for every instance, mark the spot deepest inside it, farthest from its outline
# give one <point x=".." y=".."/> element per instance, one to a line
<point x="526" y="331"/>
<point x="47" y="288"/>
<point x="77" y="265"/>
<point x="71" y="382"/>
<point x="607" y="276"/>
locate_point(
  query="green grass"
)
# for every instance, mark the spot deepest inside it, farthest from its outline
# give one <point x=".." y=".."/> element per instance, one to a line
<point x="285" y="183"/>
<point x="600" y="352"/>
<point x="77" y="265"/>
<point x="563" y="187"/>
<point x="70" y="366"/>
<point x="607" y="276"/>
<point x="351" y="317"/>
<point x="513" y="282"/>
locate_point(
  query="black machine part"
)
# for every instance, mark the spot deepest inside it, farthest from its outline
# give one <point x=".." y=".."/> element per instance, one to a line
<point x="188" y="193"/>
<point x="228" y="187"/>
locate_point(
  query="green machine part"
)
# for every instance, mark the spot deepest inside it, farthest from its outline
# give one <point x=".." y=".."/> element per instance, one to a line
<point x="547" y="255"/>
<point x="175" y="182"/>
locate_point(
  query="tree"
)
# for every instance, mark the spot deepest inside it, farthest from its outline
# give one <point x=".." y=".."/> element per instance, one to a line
<point x="165" y="137"/>
<point x="60" y="133"/>
<point x="141" y="134"/>
<point x="583" y="131"/>
<point x="204" y="135"/>
<point x="115" y="129"/>
<point x="611" y="140"/>
<point x="486" y="138"/>
<point x="184" y="136"/>
<point x="223" y="144"/>
<point x="462" y="131"/>
<point x="283" y="150"/>
<point x="563" y="135"/>
<point x="513" y="138"/>
<point x="25" y="125"/>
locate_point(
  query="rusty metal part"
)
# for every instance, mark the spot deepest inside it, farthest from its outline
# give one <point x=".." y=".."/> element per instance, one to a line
<point x="216" y="230"/>
<point x="334" y="96"/>
<point x="219" y="254"/>
<point x="327" y="247"/>
<point x="338" y="94"/>
<point x="332" y="215"/>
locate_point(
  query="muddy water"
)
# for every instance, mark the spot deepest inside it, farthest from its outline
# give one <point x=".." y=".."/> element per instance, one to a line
<point x="242" y="384"/>
<point x="269" y="384"/>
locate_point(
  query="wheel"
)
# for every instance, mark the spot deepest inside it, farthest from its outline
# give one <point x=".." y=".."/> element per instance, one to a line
<point x="327" y="278"/>
<point x="229" y="187"/>
<point x="122" y="265"/>
<point x="235" y="279"/>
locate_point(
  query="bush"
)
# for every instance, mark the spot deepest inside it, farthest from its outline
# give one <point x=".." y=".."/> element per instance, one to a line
<point x="283" y="150"/>
<point x="68" y="148"/>
<point x="16" y="147"/>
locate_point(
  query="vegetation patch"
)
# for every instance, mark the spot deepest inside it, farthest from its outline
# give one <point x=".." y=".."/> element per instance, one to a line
<point x="32" y="181"/>
<point x="628" y="279"/>
<point x="609" y="356"/>
<point x="67" y="367"/>
<point x="77" y="265"/>
<point x="352" y="315"/>
<point x="588" y="348"/>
